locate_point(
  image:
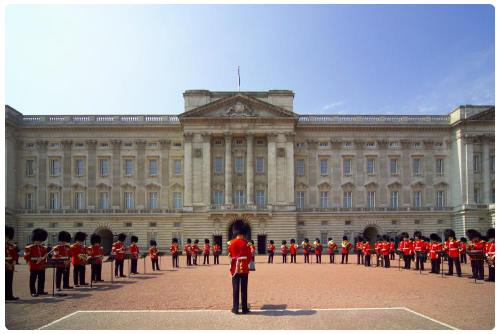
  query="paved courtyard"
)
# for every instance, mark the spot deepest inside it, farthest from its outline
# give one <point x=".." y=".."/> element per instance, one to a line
<point x="282" y="296"/>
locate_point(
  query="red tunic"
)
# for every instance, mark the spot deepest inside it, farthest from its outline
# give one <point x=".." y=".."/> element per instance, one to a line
<point x="331" y="247"/>
<point x="392" y="248"/>
<point x="188" y="249"/>
<point x="420" y="246"/>
<point x="239" y="249"/>
<point x="359" y="246"/>
<point x="378" y="246"/>
<point x="490" y="248"/>
<point x="216" y="249"/>
<point x="284" y="249"/>
<point x="195" y="249"/>
<point x="77" y="250"/>
<point x="62" y="252"/>
<point x="406" y="246"/>
<point x="270" y="248"/>
<point x="206" y="249"/>
<point x="153" y="252"/>
<point x="318" y="248"/>
<point x="293" y="249"/>
<point x="435" y="248"/>
<point x="134" y="250"/>
<point x="10" y="254"/>
<point x="174" y="248"/>
<point x="96" y="252"/>
<point x="367" y="248"/>
<point x="345" y="247"/>
<point x="118" y="249"/>
<point x="452" y="248"/>
<point x="306" y="248"/>
<point x="32" y="253"/>
<point x="384" y="248"/>
<point x="463" y="247"/>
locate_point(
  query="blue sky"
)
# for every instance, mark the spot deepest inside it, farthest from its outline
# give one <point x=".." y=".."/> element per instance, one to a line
<point x="338" y="59"/>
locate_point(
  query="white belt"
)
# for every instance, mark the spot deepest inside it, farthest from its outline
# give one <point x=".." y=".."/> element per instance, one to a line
<point x="238" y="262"/>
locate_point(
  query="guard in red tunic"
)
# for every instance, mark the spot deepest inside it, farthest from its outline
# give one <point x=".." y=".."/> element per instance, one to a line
<point x="188" y="249"/>
<point x="134" y="253"/>
<point x="63" y="251"/>
<point x="420" y="250"/>
<point x="153" y="254"/>
<point x="118" y="250"/>
<point x="476" y="251"/>
<point x="463" y="250"/>
<point x="293" y="251"/>
<point x="378" y="251"/>
<point x="206" y="252"/>
<point x="96" y="253"/>
<point x="253" y="249"/>
<point x="490" y="254"/>
<point x="434" y="253"/>
<point x="174" y="251"/>
<point x="392" y="249"/>
<point x="332" y="247"/>
<point x="384" y="249"/>
<point x="346" y="246"/>
<point x="318" y="249"/>
<point x="270" y="251"/>
<point x="367" y="252"/>
<point x="405" y="246"/>
<point x="216" y="252"/>
<point x="359" y="249"/>
<point x="10" y="262"/>
<point x="451" y="246"/>
<point x="284" y="251"/>
<point x="35" y="255"/>
<point x="307" y="248"/>
<point x="79" y="255"/>
<point x="240" y="254"/>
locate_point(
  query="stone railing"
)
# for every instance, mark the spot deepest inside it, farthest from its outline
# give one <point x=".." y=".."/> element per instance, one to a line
<point x="374" y="119"/>
<point x="96" y="120"/>
<point x="376" y="209"/>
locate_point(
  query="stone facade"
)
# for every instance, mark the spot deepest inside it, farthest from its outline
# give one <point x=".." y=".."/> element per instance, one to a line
<point x="248" y="155"/>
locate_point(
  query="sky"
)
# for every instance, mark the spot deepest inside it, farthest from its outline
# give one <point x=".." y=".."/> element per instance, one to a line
<point x="338" y="59"/>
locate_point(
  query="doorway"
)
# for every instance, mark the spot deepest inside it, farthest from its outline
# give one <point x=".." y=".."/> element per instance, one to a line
<point x="106" y="240"/>
<point x="371" y="233"/>
<point x="261" y="243"/>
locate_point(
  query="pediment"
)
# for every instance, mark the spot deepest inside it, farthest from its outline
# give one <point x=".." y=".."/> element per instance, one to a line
<point x="103" y="185"/>
<point x="486" y="115"/>
<point x="301" y="185"/>
<point x="324" y="185"/>
<point x="394" y="184"/>
<point x="29" y="186"/>
<point x="152" y="185"/>
<point x="78" y="185"/>
<point x="371" y="184"/>
<point x="238" y="106"/>
<point x="128" y="185"/>
<point x="417" y="184"/>
<point x="441" y="184"/>
<point x="347" y="184"/>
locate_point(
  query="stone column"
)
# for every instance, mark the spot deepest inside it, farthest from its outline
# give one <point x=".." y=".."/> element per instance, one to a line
<point x="207" y="138"/>
<point x="312" y="199"/>
<point x="91" y="173"/>
<point x="165" y="148"/>
<point x="469" y="170"/>
<point x="42" y="173"/>
<point x="290" y="168"/>
<point x="188" y="170"/>
<point x="429" y="170"/>
<point x="381" y="197"/>
<point x="228" y="173"/>
<point x="66" y="169"/>
<point x="358" y="194"/>
<point x="116" y="163"/>
<point x="405" y="174"/>
<point x="271" y="168"/>
<point x="250" y="170"/>
<point x="141" y="172"/>
<point x="486" y="171"/>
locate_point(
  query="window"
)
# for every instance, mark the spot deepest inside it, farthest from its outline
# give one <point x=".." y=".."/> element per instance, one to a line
<point x="301" y="223"/>
<point x="103" y="167"/>
<point x="152" y="224"/>
<point x="239" y="198"/>
<point x="394" y="199"/>
<point x="477" y="195"/>
<point x="28" y="203"/>
<point x="29" y="167"/>
<point x="324" y="238"/>
<point x="492" y="164"/>
<point x="177" y="167"/>
<point x="54" y="200"/>
<point x="104" y="200"/>
<point x="79" y="167"/>
<point x="323" y="144"/>
<point x="104" y="145"/>
<point x="218" y="141"/>
<point x="324" y="222"/>
<point x="323" y="202"/>
<point x="370" y="166"/>
<point x="218" y="165"/>
<point x="129" y="144"/>
<point x="417" y="145"/>
<point x="55" y="167"/>
<point x="347" y="222"/>
<point x="416" y="166"/>
<point x="440" y="200"/>
<point x="79" y="145"/>
<point x="153" y="167"/>
<point x="260" y="200"/>
<point x="55" y="145"/>
<point x="347" y="144"/>
<point x="347" y="167"/>
<point x="439" y="166"/>
<point x="300" y="167"/>
<point x="79" y="200"/>
<point x="323" y="167"/>
<point x="129" y="167"/>
<point x="299" y="199"/>
<point x="370" y="145"/>
<point x="238" y="165"/>
<point x="218" y="197"/>
<point x="152" y="145"/>
<point x="347" y="199"/>
<point x="417" y="199"/>
<point x="259" y="165"/>
<point x="238" y="141"/>
<point x="417" y="222"/>
<point x="177" y="200"/>
<point x="177" y="144"/>
<point x="394" y="164"/>
<point x="299" y="145"/>
<point x="260" y="142"/>
<point x="477" y="163"/>
<point x="393" y="145"/>
<point x="129" y="200"/>
<point x="370" y="200"/>
<point x="153" y="200"/>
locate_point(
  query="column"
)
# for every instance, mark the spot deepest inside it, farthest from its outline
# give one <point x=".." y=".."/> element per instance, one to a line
<point x="469" y="170"/>
<point x="14" y="173"/>
<point x="188" y="170"/>
<point x="486" y="171"/>
<point x="382" y="174"/>
<point x="66" y="169"/>
<point x="42" y="173"/>
<point x="141" y="171"/>
<point x="271" y="168"/>
<point x="312" y="198"/>
<point x="207" y="191"/>
<point x="116" y="163"/>
<point x="405" y="175"/>
<point x="165" y="148"/>
<point x="228" y="173"/>
<point x="250" y="169"/>
<point x="358" y="194"/>
<point x="290" y="168"/>
<point x="91" y="172"/>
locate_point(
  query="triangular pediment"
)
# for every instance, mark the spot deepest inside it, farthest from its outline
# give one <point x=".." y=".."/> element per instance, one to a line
<point x="486" y="115"/>
<point x="238" y="106"/>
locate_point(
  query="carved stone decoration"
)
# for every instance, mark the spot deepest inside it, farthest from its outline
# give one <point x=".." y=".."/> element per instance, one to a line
<point x="281" y="152"/>
<point x="198" y="153"/>
<point x="240" y="110"/>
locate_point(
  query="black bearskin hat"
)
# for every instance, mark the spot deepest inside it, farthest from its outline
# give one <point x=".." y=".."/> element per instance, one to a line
<point x="283" y="242"/>
<point x="188" y="240"/>
<point x="392" y="239"/>
<point x="344" y="237"/>
<point x="134" y="238"/>
<point x="207" y="241"/>
<point x="329" y="239"/>
<point x="405" y="235"/>
<point x="292" y="241"/>
<point x="80" y="236"/>
<point x="95" y="239"/>
<point x="306" y="239"/>
<point x="64" y="236"/>
<point x="239" y="228"/>
<point x="490" y="234"/>
<point x="152" y="242"/>
<point x="174" y="240"/>
<point x="434" y="237"/>
<point x="417" y="234"/>
<point x="449" y="233"/>
<point x="426" y="239"/>
<point x="360" y="239"/>
<point x="317" y="239"/>
<point x="386" y="238"/>
<point x="463" y="239"/>
<point x="271" y="242"/>
<point x="196" y="241"/>
<point x="39" y="234"/>
<point x="472" y="234"/>
<point x="9" y="232"/>
<point x="122" y="237"/>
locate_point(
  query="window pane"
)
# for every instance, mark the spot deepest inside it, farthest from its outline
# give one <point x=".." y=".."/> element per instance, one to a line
<point x="153" y="167"/>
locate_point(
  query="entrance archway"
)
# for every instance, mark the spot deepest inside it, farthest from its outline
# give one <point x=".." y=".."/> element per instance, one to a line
<point x="370" y="233"/>
<point x="248" y="235"/>
<point x="106" y="239"/>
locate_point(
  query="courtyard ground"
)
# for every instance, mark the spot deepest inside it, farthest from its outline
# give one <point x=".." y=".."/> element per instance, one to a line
<point x="282" y="296"/>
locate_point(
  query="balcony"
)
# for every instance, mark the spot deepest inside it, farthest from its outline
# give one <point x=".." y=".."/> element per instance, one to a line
<point x="98" y="120"/>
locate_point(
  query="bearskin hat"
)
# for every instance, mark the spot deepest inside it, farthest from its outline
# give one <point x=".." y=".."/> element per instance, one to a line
<point x="252" y="242"/>
<point x="80" y="236"/>
<point x="417" y="234"/>
<point x="306" y="239"/>
<point x="95" y="239"/>
<point x="426" y="239"/>
<point x="134" y="238"/>
<point x="9" y="232"/>
<point x="392" y="239"/>
<point x="449" y="233"/>
<point x="271" y="242"/>
<point x="472" y="234"/>
<point x="329" y="239"/>
<point x="434" y="237"/>
<point x="239" y="228"/>
<point x="196" y="241"/>
<point x="174" y="240"/>
<point x="283" y="242"/>
<point x="207" y="241"/>
<point x="490" y="233"/>
<point x="122" y="237"/>
<point x="39" y="234"/>
<point x="188" y="240"/>
<point x="405" y="235"/>
<point x="386" y="238"/>
<point x="64" y="236"/>
<point x="292" y="241"/>
<point x="344" y="237"/>
<point x="463" y="239"/>
<point x="152" y="242"/>
<point x="361" y="239"/>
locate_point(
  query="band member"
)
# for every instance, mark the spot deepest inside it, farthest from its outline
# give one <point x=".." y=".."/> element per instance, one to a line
<point x="385" y="249"/>
<point x="392" y="249"/>
<point x="405" y="246"/>
<point x="346" y="246"/>
<point x="367" y="252"/>
<point x="35" y="255"/>
<point x="451" y="246"/>
<point x="293" y="251"/>
<point x="153" y="254"/>
<point x="188" y="248"/>
<point x="434" y="253"/>
<point x="490" y="254"/>
<point x="240" y="254"/>
<point x="306" y="247"/>
<point x="63" y="251"/>
<point x="378" y="251"/>
<point x="216" y="251"/>
<point x="79" y="254"/>
<point x="195" y="249"/>
<point x="332" y="247"/>
<point x="476" y="250"/>
<point x="270" y="251"/>
<point x="206" y="252"/>
<point x="119" y="249"/>
<point x="253" y="249"/>
<point x="10" y="262"/>
<point x="96" y="254"/>
<point x="420" y="251"/>
<point x="174" y="251"/>
<point x="359" y="249"/>
<point x="134" y="254"/>
<point x="463" y="250"/>
<point x="318" y="248"/>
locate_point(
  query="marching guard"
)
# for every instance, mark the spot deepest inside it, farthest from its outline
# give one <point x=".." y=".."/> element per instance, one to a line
<point x="239" y="251"/>
<point x="253" y="249"/>
<point x="318" y="248"/>
<point x="490" y="254"/>
<point x="270" y="251"/>
<point x="35" y="255"/>
<point x="306" y="247"/>
<point x="435" y="253"/>
<point x="118" y="249"/>
<point x="332" y="247"/>
<point x="367" y="252"/>
<point x="463" y="250"/>
<point x="195" y="250"/>
<point x="392" y="249"/>
<point x="134" y="253"/>
<point x="346" y="246"/>
<point x="420" y="250"/>
<point x="206" y="252"/>
<point x="359" y="250"/>
<point x="79" y="254"/>
<point x="153" y="254"/>
<point x="284" y="251"/>
<point x="405" y="246"/>
<point x="451" y="246"/>
<point x="96" y="255"/>
<point x="216" y="251"/>
<point x="174" y="251"/>
<point x="293" y="251"/>
<point x="476" y="250"/>
<point x="378" y="251"/>
<point x="189" y="251"/>
<point x="10" y="262"/>
<point x="63" y="251"/>
<point x="385" y="249"/>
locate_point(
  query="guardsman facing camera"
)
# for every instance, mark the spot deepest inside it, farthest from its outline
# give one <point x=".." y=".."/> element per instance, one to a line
<point x="153" y="254"/>
<point x="188" y="248"/>
<point x="10" y="262"/>
<point x="284" y="251"/>
<point x="96" y="254"/>
<point x="293" y="251"/>
<point x="270" y="251"/>
<point x="119" y="249"/>
<point x="63" y="251"/>
<point x="79" y="255"/>
<point x="174" y="251"/>
<point x="206" y="252"/>
<point x="35" y="255"/>
<point x="134" y="253"/>
<point x="452" y="248"/>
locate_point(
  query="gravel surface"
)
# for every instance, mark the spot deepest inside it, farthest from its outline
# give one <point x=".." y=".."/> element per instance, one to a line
<point x="292" y="286"/>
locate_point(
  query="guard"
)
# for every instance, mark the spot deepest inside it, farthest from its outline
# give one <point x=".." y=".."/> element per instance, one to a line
<point x="134" y="253"/>
<point x="293" y="251"/>
<point x="35" y="255"/>
<point x="79" y="255"/>
<point x="10" y="262"/>
<point x="153" y="254"/>
<point x="62" y="251"/>
<point x="451" y="247"/>
<point x="118" y="249"/>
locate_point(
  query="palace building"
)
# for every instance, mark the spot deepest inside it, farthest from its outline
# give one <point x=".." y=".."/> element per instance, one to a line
<point x="248" y="155"/>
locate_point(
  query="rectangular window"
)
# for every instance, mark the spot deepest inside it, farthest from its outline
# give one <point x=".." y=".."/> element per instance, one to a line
<point x="153" y="167"/>
<point x="347" y="167"/>
<point x="416" y="167"/>
<point x="300" y="167"/>
<point x="29" y="201"/>
<point x="323" y="203"/>
<point x="177" y="167"/>
<point x="104" y="200"/>
<point x="79" y="164"/>
<point x="153" y="200"/>
<point x="394" y="199"/>
<point x="218" y="197"/>
<point x="177" y="200"/>
<point x="440" y="200"/>
<point x="259" y="165"/>
<point x="394" y="164"/>
<point x="129" y="167"/>
<point x="417" y="199"/>
<point x="103" y="167"/>
<point x="129" y="200"/>
<point x="477" y="163"/>
<point x="54" y="200"/>
<point x="299" y="199"/>
<point x="239" y="198"/>
<point x="324" y="238"/>
<point x="370" y="201"/>
<point x="347" y="199"/>
<point x="29" y="167"/>
<point x="439" y="166"/>
<point x="370" y="166"/>
<point x="218" y="165"/>
<point x="55" y="167"/>
<point x="260" y="199"/>
<point x="477" y="195"/>
<point x="323" y="167"/>
<point x="79" y="200"/>
<point x="238" y="165"/>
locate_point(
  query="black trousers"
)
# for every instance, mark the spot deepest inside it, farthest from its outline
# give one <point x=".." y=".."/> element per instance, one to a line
<point x="379" y="260"/>
<point x="407" y="261"/>
<point x="435" y="266"/>
<point x="359" y="256"/>
<point x="270" y="258"/>
<point x="206" y="258"/>
<point x="332" y="258"/>
<point x="393" y="255"/>
<point x="62" y="274"/>
<point x="318" y="258"/>
<point x="368" y="260"/>
<point x="293" y="258"/>
<point x="216" y="259"/>
<point x="133" y="266"/>
<point x="477" y="269"/>
<point x="9" y="279"/>
<point x="306" y="258"/>
<point x="175" y="261"/>
<point x="491" y="274"/>
<point x="79" y="274"/>
<point x="455" y="260"/>
<point x="240" y="281"/>
<point x="188" y="259"/>
<point x="119" y="265"/>
<point x="195" y="259"/>
<point x="37" y="276"/>
<point x="419" y="263"/>
<point x="154" y="264"/>
<point x="387" y="262"/>
<point x="95" y="272"/>
<point x="283" y="258"/>
<point x="346" y="257"/>
<point x="463" y="258"/>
